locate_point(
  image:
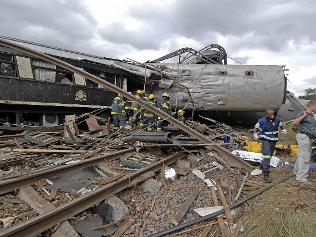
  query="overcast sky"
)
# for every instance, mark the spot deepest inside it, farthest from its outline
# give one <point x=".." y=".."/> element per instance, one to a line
<point x="280" y="32"/>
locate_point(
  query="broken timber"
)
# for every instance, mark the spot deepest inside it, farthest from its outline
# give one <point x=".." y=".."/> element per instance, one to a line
<point x="41" y="206"/>
<point x="184" y="209"/>
<point x="225" y="205"/>
<point x="220" y="219"/>
<point x="233" y="160"/>
<point x="206" y="231"/>
<point x="54" y="151"/>
<point x="45" y="221"/>
<point x="216" y="214"/>
<point x="12" y="184"/>
<point x="122" y="229"/>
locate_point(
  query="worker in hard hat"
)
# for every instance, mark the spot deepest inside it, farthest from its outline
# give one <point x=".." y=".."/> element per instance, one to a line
<point x="134" y="108"/>
<point x="180" y="115"/>
<point x="148" y="118"/>
<point x="165" y="106"/>
<point x="140" y="93"/>
<point x="118" y="112"/>
<point x="128" y="109"/>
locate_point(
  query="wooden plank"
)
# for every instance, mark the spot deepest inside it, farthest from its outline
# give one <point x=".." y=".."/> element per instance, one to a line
<point x="225" y="205"/>
<point x="122" y="229"/>
<point x="185" y="208"/>
<point x="41" y="206"/>
<point x="69" y="134"/>
<point x="43" y="151"/>
<point x="254" y="182"/>
<point x="70" y="131"/>
<point x="241" y="187"/>
<point x="206" y="231"/>
<point x="220" y="219"/>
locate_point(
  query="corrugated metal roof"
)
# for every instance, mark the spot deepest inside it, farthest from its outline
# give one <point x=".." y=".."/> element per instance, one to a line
<point x="66" y="53"/>
<point x="61" y="52"/>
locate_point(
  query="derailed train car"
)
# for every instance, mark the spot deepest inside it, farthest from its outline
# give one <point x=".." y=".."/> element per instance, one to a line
<point x="199" y="81"/>
<point x="203" y="81"/>
<point x="227" y="87"/>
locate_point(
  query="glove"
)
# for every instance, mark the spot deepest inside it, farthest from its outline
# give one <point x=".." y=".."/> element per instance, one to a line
<point x="284" y="131"/>
<point x="255" y="137"/>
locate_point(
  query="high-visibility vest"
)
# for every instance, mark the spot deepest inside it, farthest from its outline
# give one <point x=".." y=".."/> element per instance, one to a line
<point x="118" y="107"/>
<point x="166" y="106"/>
<point x="269" y="129"/>
<point x="146" y="112"/>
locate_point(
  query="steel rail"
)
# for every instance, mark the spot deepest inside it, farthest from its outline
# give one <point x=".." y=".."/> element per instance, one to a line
<point x="234" y="161"/>
<point x="9" y="185"/>
<point x="43" y="222"/>
<point x="216" y="214"/>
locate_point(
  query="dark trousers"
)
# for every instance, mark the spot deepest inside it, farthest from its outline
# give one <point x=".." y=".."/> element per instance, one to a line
<point x="119" y="120"/>
<point x="162" y="123"/>
<point x="268" y="148"/>
<point x="149" y="123"/>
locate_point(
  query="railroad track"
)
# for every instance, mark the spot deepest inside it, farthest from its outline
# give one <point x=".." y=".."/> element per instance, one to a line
<point x="12" y="184"/>
<point x="43" y="222"/>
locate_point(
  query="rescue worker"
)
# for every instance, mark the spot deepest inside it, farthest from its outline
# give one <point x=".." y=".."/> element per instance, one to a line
<point x="148" y="119"/>
<point x="267" y="129"/>
<point x="118" y="112"/>
<point x="140" y="94"/>
<point x="166" y="107"/>
<point x="305" y="137"/>
<point x="129" y="110"/>
<point x="180" y="115"/>
<point x="135" y="114"/>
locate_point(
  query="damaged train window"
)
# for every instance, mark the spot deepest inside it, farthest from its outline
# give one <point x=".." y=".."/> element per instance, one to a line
<point x="186" y="72"/>
<point x="7" y="65"/>
<point x="222" y="73"/>
<point x="249" y="73"/>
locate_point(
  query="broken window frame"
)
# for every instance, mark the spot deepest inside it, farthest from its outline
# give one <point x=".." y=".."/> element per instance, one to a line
<point x="11" y="62"/>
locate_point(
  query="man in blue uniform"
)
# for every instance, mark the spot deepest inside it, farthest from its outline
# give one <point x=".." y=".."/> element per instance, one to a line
<point x="267" y="130"/>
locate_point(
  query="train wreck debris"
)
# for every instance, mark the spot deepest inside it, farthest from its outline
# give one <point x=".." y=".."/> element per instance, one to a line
<point x="113" y="163"/>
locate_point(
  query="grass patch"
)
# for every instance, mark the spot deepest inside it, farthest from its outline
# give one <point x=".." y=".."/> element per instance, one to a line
<point x="286" y="210"/>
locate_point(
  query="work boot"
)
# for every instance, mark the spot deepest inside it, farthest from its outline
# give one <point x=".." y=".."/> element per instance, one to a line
<point x="267" y="178"/>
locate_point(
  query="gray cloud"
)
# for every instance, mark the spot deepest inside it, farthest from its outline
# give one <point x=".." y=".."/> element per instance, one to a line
<point x="269" y="23"/>
<point x="60" y="23"/>
<point x="247" y="24"/>
<point x="145" y="38"/>
<point x="310" y="81"/>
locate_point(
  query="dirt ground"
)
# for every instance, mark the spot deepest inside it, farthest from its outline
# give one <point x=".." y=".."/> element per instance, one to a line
<point x="285" y="210"/>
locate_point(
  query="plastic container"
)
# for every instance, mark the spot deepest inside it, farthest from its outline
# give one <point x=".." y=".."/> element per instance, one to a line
<point x="253" y="146"/>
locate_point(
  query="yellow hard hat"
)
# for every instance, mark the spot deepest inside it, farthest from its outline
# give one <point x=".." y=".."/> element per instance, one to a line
<point x="117" y="98"/>
<point x="166" y="95"/>
<point x="181" y="112"/>
<point x="151" y="97"/>
<point x="140" y="92"/>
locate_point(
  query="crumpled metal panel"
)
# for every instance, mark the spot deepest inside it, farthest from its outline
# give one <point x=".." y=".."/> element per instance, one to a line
<point x="229" y="87"/>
